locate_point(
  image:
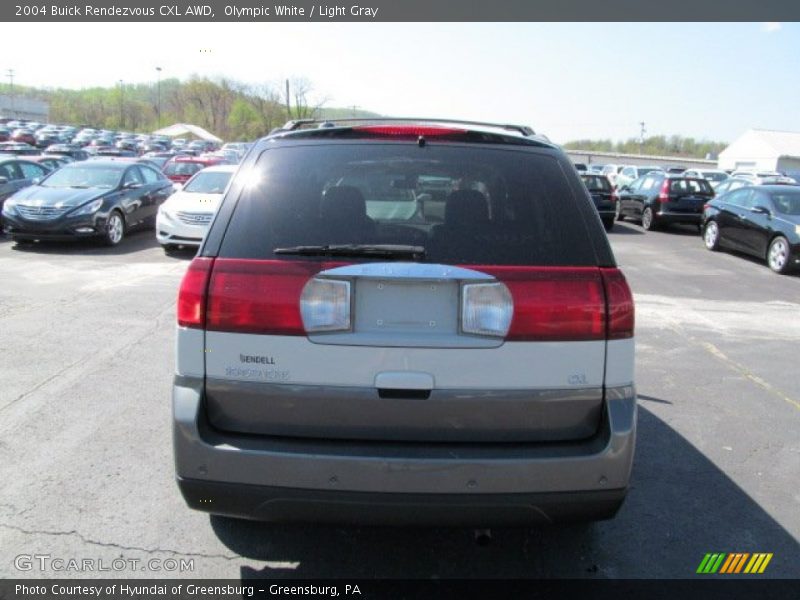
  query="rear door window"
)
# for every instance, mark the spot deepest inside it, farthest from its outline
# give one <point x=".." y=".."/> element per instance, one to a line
<point x="464" y="205"/>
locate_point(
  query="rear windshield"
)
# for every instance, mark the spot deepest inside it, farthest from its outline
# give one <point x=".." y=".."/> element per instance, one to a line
<point x="690" y="186"/>
<point x="596" y="184"/>
<point x="464" y="205"/>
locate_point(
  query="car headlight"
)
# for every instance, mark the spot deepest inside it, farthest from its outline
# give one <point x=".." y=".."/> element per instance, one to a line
<point x="9" y="206"/>
<point x="796" y="227"/>
<point x="92" y="207"/>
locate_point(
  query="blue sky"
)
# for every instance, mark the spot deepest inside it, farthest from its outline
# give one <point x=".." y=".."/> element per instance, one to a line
<point x="568" y="80"/>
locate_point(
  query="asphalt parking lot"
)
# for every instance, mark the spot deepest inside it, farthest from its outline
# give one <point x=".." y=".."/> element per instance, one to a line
<point x="85" y="442"/>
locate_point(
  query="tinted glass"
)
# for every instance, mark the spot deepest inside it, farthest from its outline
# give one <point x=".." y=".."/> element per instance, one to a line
<point x="740" y="198"/>
<point x="150" y="175"/>
<point x="787" y="202"/>
<point x="8" y="171"/>
<point x="208" y="183"/>
<point x="463" y="205"/>
<point x="646" y="170"/>
<point x="30" y="171"/>
<point x="713" y="176"/>
<point x="133" y="175"/>
<point x="596" y="183"/>
<point x="690" y="186"/>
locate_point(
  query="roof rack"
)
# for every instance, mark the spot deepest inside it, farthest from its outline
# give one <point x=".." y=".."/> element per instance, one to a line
<point x="300" y="123"/>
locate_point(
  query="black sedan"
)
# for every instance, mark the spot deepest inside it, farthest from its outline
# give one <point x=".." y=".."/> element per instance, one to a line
<point x="660" y="198"/>
<point x="100" y="199"/>
<point x="602" y="193"/>
<point x="761" y="220"/>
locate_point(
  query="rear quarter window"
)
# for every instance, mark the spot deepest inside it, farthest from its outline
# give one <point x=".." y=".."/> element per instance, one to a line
<point x="463" y="204"/>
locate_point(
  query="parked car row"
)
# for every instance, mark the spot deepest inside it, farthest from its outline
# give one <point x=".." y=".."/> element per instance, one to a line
<point x="621" y="175"/>
<point x="759" y="215"/>
<point x="82" y="186"/>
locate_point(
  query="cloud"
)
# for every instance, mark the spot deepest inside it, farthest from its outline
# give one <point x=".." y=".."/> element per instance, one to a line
<point x="770" y="27"/>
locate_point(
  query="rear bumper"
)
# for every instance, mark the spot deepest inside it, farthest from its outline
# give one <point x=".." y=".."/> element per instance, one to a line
<point x="675" y="217"/>
<point x="294" y="479"/>
<point x="265" y="503"/>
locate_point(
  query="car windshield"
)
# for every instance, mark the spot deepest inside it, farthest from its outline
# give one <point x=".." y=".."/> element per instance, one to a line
<point x="788" y="202"/>
<point x="84" y="177"/>
<point x="182" y="168"/>
<point x="461" y="205"/>
<point x="646" y="170"/>
<point x="208" y="183"/>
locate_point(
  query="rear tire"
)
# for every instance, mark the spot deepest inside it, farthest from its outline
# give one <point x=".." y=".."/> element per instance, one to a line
<point x="779" y="256"/>
<point x="608" y="224"/>
<point x="649" y="220"/>
<point x="169" y="248"/>
<point x="711" y="236"/>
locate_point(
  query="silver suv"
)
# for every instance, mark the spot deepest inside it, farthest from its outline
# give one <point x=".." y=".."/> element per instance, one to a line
<point x="398" y="321"/>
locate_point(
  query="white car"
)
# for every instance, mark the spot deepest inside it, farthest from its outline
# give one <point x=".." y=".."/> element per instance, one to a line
<point x="713" y="176"/>
<point x="184" y="218"/>
<point x="759" y="177"/>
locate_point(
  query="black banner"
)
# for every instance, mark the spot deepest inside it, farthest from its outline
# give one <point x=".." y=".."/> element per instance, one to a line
<point x="396" y="10"/>
<point x="262" y="589"/>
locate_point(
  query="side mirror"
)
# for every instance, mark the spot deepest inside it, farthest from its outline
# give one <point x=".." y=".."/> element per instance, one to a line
<point x="761" y="210"/>
<point x="3" y="180"/>
<point x="131" y="185"/>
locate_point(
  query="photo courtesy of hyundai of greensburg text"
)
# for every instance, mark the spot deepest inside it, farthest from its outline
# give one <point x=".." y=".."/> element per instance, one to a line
<point x="386" y="301"/>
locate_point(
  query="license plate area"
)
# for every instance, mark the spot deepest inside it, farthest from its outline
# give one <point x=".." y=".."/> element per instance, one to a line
<point x="412" y="307"/>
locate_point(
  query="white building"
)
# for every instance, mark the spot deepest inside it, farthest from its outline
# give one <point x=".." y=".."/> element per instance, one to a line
<point x="24" y="108"/>
<point x="765" y="150"/>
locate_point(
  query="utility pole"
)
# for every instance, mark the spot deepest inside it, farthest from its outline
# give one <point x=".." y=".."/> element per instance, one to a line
<point x="288" y="102"/>
<point x="641" y="136"/>
<point x="158" y="86"/>
<point x="10" y="74"/>
<point x="355" y="107"/>
<point x="121" y="102"/>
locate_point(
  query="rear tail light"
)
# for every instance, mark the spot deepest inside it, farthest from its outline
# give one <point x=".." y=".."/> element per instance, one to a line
<point x="192" y="294"/>
<point x="554" y="303"/>
<point x="619" y="301"/>
<point x="663" y="194"/>
<point x="487" y="309"/>
<point x="525" y="303"/>
<point x="261" y="296"/>
<point x="325" y="305"/>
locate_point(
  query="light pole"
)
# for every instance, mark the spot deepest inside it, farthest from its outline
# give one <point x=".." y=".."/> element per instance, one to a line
<point x="121" y="101"/>
<point x="10" y="73"/>
<point x="158" y="88"/>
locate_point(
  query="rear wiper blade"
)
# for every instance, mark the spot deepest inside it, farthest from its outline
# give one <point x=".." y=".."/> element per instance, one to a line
<point x="368" y="250"/>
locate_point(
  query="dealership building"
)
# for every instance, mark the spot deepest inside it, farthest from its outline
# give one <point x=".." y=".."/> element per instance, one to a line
<point x="763" y="149"/>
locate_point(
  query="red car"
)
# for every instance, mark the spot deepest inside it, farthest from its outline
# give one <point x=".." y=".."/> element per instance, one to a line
<point x="24" y="136"/>
<point x="181" y="168"/>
